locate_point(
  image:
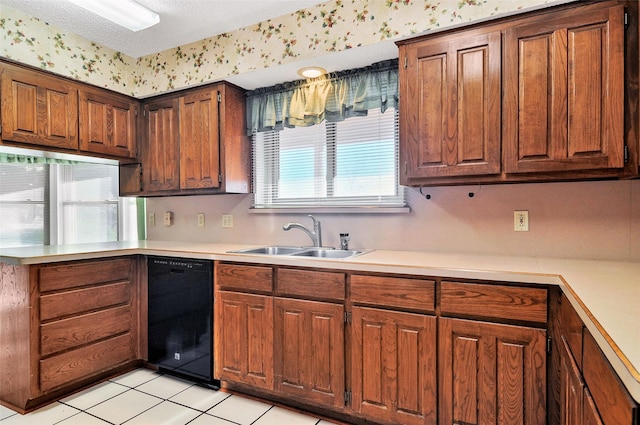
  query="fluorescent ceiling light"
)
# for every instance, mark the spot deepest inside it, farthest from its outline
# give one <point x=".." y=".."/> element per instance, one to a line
<point x="126" y="13"/>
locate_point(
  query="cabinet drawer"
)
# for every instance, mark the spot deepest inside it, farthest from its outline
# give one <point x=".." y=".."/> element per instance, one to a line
<point x="314" y="284"/>
<point x="494" y="301"/>
<point x="80" y="330"/>
<point x="406" y="293"/>
<point x="73" y="275"/>
<point x="85" y="362"/>
<point x="77" y="301"/>
<point x="243" y="277"/>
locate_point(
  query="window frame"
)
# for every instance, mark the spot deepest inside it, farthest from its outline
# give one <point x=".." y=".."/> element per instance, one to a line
<point x="53" y="220"/>
<point x="330" y="150"/>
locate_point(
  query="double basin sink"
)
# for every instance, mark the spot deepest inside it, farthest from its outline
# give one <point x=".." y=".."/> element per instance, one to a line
<point x="297" y="251"/>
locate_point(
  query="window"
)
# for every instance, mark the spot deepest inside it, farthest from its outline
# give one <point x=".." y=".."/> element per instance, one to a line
<point x="23" y="210"/>
<point x="59" y="202"/>
<point x="350" y="163"/>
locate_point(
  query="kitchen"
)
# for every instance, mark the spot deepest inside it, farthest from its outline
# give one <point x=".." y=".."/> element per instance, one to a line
<point x="586" y="220"/>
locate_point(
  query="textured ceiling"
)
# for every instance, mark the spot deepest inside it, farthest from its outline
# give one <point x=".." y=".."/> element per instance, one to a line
<point x="181" y="21"/>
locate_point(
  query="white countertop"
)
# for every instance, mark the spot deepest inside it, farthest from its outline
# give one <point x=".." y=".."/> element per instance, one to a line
<point x="604" y="293"/>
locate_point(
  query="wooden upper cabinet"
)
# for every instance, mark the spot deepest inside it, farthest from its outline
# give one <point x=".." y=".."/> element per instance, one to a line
<point x="450" y="119"/>
<point x="160" y="152"/>
<point x="107" y="124"/>
<point x="564" y="93"/>
<point x="200" y="140"/>
<point x="195" y="142"/>
<point x="38" y="109"/>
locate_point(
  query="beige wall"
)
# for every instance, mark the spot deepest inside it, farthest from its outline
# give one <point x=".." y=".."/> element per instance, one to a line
<point x="589" y="220"/>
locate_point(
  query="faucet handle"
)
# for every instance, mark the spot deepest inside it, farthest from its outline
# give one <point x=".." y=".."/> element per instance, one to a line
<point x="317" y="229"/>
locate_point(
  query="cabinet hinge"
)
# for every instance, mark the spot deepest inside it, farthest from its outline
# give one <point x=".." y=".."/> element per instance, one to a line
<point x="347" y="398"/>
<point x="626" y="19"/>
<point x="406" y="62"/>
<point x="549" y="345"/>
<point x="219" y="178"/>
<point x="626" y="154"/>
<point x="0" y="128"/>
<point x="219" y="97"/>
<point x="347" y="317"/>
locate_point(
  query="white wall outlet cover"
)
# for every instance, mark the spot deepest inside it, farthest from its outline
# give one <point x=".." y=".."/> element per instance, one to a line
<point x="521" y="221"/>
<point x="200" y="219"/>
<point x="168" y="218"/>
<point x="227" y="220"/>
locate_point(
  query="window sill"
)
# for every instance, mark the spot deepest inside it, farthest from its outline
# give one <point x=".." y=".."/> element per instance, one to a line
<point x="332" y="210"/>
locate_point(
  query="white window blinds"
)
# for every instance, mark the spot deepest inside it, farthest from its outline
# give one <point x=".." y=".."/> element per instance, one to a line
<point x="350" y="163"/>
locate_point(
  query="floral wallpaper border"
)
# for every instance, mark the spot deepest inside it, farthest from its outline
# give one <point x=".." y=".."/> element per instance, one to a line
<point x="332" y="26"/>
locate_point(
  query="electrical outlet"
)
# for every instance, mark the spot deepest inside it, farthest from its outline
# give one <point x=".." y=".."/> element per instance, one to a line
<point x="521" y="221"/>
<point x="151" y="219"/>
<point x="168" y="218"/>
<point x="200" y="219"/>
<point x="227" y="220"/>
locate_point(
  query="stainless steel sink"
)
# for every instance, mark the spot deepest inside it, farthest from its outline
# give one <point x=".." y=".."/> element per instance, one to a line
<point x="327" y="253"/>
<point x="299" y="251"/>
<point x="270" y="250"/>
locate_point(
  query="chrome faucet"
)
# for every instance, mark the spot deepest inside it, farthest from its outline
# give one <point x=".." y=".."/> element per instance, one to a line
<point x="315" y="235"/>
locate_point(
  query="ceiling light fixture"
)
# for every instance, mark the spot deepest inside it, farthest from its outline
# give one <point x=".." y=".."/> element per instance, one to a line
<point x="126" y="13"/>
<point x="311" y="71"/>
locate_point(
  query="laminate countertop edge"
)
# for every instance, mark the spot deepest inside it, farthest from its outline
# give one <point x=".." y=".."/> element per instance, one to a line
<point x="604" y="293"/>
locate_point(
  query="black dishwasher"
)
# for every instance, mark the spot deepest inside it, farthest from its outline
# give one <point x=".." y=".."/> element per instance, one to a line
<point x="180" y="306"/>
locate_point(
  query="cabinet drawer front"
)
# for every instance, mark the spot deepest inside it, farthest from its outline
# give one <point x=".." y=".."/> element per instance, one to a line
<point x="251" y="278"/>
<point x="85" y="362"/>
<point x="414" y="294"/>
<point x="84" y="274"/>
<point x="494" y="301"/>
<point x="76" y="331"/>
<point x="314" y="284"/>
<point x="81" y="300"/>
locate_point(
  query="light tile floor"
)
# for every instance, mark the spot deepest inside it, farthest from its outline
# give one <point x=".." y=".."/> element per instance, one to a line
<point x="144" y="397"/>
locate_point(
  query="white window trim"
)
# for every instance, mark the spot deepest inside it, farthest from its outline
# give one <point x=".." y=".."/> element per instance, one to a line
<point x="329" y="209"/>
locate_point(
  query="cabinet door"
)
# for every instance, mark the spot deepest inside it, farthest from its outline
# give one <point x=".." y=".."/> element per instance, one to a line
<point x="38" y="109"/>
<point x="450" y="120"/>
<point x="199" y="140"/>
<point x="571" y="388"/>
<point x="564" y="93"/>
<point x="107" y="124"/>
<point x="491" y="373"/>
<point x="393" y="366"/>
<point x="244" y="339"/>
<point x="309" y="351"/>
<point x="160" y="160"/>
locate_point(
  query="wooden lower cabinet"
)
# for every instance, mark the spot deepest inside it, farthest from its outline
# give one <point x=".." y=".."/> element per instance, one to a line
<point x="491" y="373"/>
<point x="68" y="324"/>
<point x="244" y="339"/>
<point x="590" y="392"/>
<point x="309" y="351"/>
<point x="393" y="366"/>
<point x="571" y="388"/>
